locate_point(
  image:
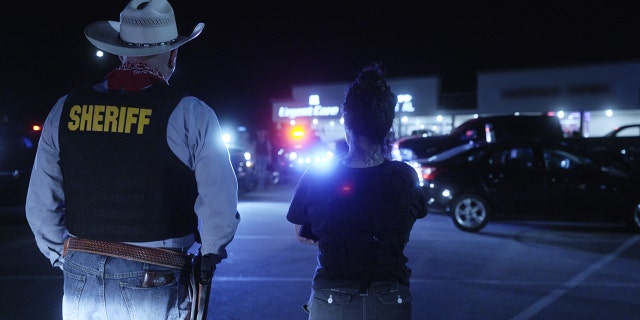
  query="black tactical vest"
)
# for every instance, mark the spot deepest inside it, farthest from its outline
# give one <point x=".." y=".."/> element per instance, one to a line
<point x="121" y="180"/>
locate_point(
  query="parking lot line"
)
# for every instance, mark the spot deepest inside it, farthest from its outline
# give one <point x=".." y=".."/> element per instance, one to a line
<point x="575" y="281"/>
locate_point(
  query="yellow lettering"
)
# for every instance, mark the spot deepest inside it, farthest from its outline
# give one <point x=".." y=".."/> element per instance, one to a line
<point x="75" y="119"/>
<point x="85" y="117"/>
<point x="123" y="114"/>
<point x="132" y="117"/>
<point x="98" y="117"/>
<point x="104" y="118"/>
<point x="111" y="118"/>
<point x="144" y="119"/>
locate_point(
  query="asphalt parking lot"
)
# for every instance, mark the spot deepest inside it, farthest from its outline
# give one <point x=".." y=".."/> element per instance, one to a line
<point x="519" y="270"/>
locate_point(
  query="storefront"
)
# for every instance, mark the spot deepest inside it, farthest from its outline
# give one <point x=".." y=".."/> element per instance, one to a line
<point x="589" y="100"/>
<point x="317" y="107"/>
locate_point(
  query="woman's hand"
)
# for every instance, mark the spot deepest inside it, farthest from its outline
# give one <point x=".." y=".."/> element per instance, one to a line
<point x="303" y="239"/>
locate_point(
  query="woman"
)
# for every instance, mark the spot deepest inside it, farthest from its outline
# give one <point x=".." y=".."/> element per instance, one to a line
<point x="360" y="211"/>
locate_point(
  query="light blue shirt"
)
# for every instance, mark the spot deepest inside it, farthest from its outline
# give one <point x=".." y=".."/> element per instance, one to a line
<point x="195" y="137"/>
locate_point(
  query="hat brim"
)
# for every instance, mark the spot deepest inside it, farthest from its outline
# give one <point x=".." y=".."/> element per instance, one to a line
<point x="105" y="36"/>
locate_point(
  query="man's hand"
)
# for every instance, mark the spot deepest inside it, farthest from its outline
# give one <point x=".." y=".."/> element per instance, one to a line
<point x="208" y="267"/>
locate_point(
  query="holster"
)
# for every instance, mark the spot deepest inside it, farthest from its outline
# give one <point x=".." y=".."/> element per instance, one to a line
<point x="199" y="290"/>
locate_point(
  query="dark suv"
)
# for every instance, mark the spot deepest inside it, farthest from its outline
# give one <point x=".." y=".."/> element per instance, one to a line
<point x="505" y="127"/>
<point x="489" y="129"/>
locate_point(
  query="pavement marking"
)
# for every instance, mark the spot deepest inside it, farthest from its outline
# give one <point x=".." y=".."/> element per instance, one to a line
<point x="263" y="279"/>
<point x="574" y="282"/>
<point x="503" y="283"/>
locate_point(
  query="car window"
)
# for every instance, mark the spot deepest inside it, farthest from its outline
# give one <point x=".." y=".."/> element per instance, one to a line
<point x="513" y="158"/>
<point x="478" y="156"/>
<point x="559" y="159"/>
<point x="631" y="131"/>
<point x="508" y="127"/>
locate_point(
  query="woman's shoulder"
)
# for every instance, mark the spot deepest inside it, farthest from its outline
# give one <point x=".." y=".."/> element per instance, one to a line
<point x="402" y="171"/>
<point x="399" y="165"/>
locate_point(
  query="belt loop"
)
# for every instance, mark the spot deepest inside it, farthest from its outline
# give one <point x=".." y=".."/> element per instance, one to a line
<point x="64" y="248"/>
<point x="364" y="287"/>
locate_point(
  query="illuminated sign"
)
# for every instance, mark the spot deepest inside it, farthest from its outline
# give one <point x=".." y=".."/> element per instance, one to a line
<point x="314" y="100"/>
<point x="404" y="103"/>
<point x="310" y="111"/>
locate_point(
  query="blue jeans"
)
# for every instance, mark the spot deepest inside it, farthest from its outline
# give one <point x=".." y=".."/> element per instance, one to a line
<point x="101" y="287"/>
<point x="383" y="300"/>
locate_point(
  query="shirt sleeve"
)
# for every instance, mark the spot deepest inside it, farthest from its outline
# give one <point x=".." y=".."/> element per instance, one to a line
<point x="419" y="198"/>
<point x="45" y="199"/>
<point x="297" y="213"/>
<point x="195" y="136"/>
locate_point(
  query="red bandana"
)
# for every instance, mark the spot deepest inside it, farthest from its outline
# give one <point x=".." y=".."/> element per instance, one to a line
<point x="133" y="76"/>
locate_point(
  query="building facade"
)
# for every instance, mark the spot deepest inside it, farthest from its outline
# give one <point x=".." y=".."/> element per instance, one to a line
<point x="589" y="100"/>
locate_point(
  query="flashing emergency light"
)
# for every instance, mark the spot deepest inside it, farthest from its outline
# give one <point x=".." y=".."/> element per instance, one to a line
<point x="298" y="132"/>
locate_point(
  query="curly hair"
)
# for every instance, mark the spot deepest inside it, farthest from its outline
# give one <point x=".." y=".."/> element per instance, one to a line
<point x="369" y="108"/>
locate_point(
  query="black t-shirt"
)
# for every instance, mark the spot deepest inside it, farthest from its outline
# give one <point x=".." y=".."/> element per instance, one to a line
<point x="362" y="218"/>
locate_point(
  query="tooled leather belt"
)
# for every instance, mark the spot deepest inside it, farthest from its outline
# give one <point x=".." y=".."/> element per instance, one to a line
<point x="161" y="257"/>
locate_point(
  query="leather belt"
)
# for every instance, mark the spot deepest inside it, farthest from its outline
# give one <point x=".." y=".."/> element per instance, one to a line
<point x="161" y="257"/>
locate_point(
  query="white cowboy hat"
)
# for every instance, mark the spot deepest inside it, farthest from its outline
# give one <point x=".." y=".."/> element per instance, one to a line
<point x="146" y="27"/>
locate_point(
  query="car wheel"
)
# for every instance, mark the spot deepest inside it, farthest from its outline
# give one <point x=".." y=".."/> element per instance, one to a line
<point x="634" y="219"/>
<point x="470" y="213"/>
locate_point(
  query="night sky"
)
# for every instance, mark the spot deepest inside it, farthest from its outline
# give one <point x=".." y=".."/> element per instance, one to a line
<point x="250" y="54"/>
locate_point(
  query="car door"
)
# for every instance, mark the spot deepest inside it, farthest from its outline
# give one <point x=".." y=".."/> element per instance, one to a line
<point x="577" y="187"/>
<point x="515" y="181"/>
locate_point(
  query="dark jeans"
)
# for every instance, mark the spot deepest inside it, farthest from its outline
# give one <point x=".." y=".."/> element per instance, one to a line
<point x="383" y="300"/>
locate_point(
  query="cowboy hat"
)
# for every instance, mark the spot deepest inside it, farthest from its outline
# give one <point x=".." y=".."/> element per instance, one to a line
<point x="146" y="27"/>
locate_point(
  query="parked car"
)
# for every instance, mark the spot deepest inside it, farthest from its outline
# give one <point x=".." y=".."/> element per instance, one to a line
<point x="621" y="143"/>
<point x="525" y="179"/>
<point x="418" y="147"/>
<point x="503" y="127"/>
<point x="489" y="129"/>
<point x="18" y="143"/>
<point x="242" y="162"/>
<point x="629" y="130"/>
